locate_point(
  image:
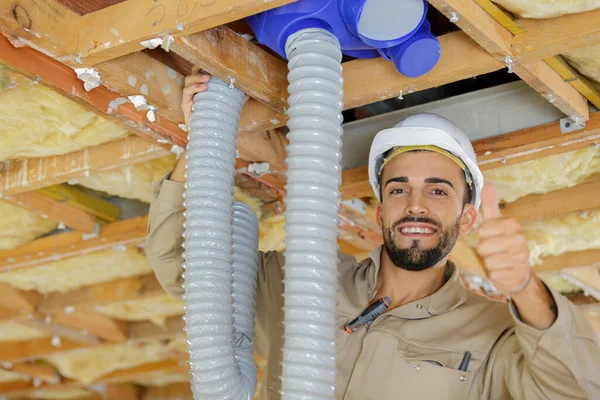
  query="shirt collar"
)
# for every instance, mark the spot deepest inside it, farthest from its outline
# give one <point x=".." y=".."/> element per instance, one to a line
<point x="450" y="296"/>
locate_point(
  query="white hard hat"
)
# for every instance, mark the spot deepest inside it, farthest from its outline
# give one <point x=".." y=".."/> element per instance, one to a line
<point x="426" y="130"/>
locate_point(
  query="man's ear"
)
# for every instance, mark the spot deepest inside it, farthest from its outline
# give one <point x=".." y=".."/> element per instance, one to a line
<point x="467" y="219"/>
<point x="379" y="215"/>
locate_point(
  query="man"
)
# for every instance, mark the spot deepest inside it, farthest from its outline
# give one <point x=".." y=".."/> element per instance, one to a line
<point x="437" y="340"/>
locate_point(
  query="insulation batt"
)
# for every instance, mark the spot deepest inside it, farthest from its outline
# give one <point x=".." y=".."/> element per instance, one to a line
<point x="586" y="60"/>
<point x="156" y="309"/>
<point x="74" y="273"/>
<point x="59" y="394"/>
<point x="12" y="331"/>
<point x="38" y="122"/>
<point x="10" y="376"/>
<point x="19" y="226"/>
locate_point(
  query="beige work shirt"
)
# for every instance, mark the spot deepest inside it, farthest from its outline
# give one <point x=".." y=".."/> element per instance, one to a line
<point x="413" y="351"/>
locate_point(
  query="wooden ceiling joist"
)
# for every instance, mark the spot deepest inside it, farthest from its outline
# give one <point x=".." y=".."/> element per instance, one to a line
<point x="130" y="232"/>
<point x="26" y="350"/>
<point x="231" y="57"/>
<point x="548" y="37"/>
<point x="35" y="173"/>
<point x="493" y="152"/>
<point x="55" y="210"/>
<point x="570" y="259"/>
<point x="494" y="38"/>
<point x="18" y="300"/>
<point x="112" y="32"/>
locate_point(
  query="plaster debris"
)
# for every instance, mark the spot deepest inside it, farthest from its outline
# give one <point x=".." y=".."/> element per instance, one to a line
<point x="48" y="319"/>
<point x="259" y="169"/>
<point x="167" y="42"/>
<point x="132" y="80"/>
<point x="231" y="82"/>
<point x="55" y="341"/>
<point x="151" y="116"/>
<point x="163" y="140"/>
<point x="179" y="26"/>
<point x="275" y="121"/>
<point x="139" y="102"/>
<point x="178" y="150"/>
<point x="487" y="153"/>
<point x="69" y="309"/>
<point x="37" y="382"/>
<point x="89" y="76"/>
<point x="144" y="90"/>
<point x="113" y="105"/>
<point x="152" y="43"/>
<point x="7" y="365"/>
<point x="453" y="17"/>
<point x="183" y="127"/>
<point x="72" y="181"/>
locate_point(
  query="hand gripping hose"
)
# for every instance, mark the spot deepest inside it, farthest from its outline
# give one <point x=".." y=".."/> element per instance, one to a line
<point x="220" y="253"/>
<point x="312" y="205"/>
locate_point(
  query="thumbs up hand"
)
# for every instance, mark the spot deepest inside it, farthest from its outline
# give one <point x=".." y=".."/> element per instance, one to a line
<point x="503" y="247"/>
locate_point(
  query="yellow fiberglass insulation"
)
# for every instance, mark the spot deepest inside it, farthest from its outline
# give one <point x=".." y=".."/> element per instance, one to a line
<point x="73" y="273"/>
<point x="90" y="364"/>
<point x="544" y="175"/>
<point x="10" y="376"/>
<point x="163" y="380"/>
<point x="37" y="122"/>
<point x="573" y="232"/>
<point x="156" y="309"/>
<point x="587" y="61"/>
<point x="547" y="8"/>
<point x="12" y="331"/>
<point x="131" y="181"/>
<point x="554" y="280"/>
<point x="19" y="226"/>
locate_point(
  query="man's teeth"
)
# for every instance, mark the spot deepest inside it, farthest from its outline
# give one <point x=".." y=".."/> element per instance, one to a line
<point x="417" y="230"/>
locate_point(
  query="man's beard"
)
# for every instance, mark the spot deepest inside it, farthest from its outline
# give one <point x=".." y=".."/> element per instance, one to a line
<point x="415" y="258"/>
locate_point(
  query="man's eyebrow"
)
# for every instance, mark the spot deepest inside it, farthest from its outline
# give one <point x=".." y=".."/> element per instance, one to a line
<point x="439" y="180"/>
<point x="402" y="179"/>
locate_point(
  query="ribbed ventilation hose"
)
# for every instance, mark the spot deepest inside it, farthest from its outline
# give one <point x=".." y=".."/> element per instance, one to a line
<point x="312" y="205"/>
<point x="221" y="253"/>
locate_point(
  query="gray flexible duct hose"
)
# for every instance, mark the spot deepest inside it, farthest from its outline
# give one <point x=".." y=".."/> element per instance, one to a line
<point x="312" y="205"/>
<point x="219" y="370"/>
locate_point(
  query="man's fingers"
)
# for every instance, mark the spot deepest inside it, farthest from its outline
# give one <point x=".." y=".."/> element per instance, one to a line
<point x="192" y="79"/>
<point x="502" y="244"/>
<point x="501" y="226"/>
<point x="195" y="69"/>
<point x="500" y="262"/>
<point x="489" y="202"/>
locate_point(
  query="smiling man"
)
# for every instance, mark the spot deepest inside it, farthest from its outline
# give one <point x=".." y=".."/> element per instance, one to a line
<point x="436" y="339"/>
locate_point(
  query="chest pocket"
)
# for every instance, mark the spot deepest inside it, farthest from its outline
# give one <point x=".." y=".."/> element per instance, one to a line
<point x="430" y="373"/>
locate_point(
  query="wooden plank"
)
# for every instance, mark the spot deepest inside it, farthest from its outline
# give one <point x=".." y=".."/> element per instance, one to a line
<point x="497" y="151"/>
<point x="145" y="371"/>
<point x="48" y="207"/>
<point x="36" y="173"/>
<point x="228" y="56"/>
<point x="93" y="323"/>
<point x="265" y="146"/>
<point x="111" y="32"/>
<point x="85" y="299"/>
<point x="570" y="259"/>
<point x="100" y="100"/>
<point x="42" y="24"/>
<point x="582" y="299"/>
<point x="77" y="198"/>
<point x="18" y="300"/>
<point x="182" y="391"/>
<point x="39" y="370"/>
<point x="47" y="324"/>
<point x="548" y="37"/>
<point x="582" y="197"/>
<point x="20" y="351"/>
<point x="494" y="38"/>
<point x="128" y="232"/>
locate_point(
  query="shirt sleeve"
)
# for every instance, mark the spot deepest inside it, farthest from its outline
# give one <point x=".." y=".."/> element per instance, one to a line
<point x="560" y="362"/>
<point x="165" y="235"/>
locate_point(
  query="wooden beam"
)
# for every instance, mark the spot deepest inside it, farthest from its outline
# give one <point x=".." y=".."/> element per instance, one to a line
<point x="36" y="173"/>
<point x="96" y="324"/>
<point x="128" y="232"/>
<point x="230" y="57"/>
<point x="494" y="38"/>
<point x="25" y="350"/>
<point x="41" y="24"/>
<point x="77" y="198"/>
<point x="581" y="197"/>
<point x="47" y="324"/>
<point x="144" y="371"/>
<point x="182" y="391"/>
<point x="111" y="32"/>
<point x="582" y="299"/>
<point x="47" y="207"/>
<point x="497" y="151"/>
<point x="100" y="100"/>
<point x="85" y="299"/>
<point x="582" y="258"/>
<point x="18" y="300"/>
<point x="548" y="37"/>
<point x="265" y="146"/>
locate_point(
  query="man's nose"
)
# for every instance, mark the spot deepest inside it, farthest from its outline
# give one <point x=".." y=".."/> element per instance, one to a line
<point x="416" y="205"/>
